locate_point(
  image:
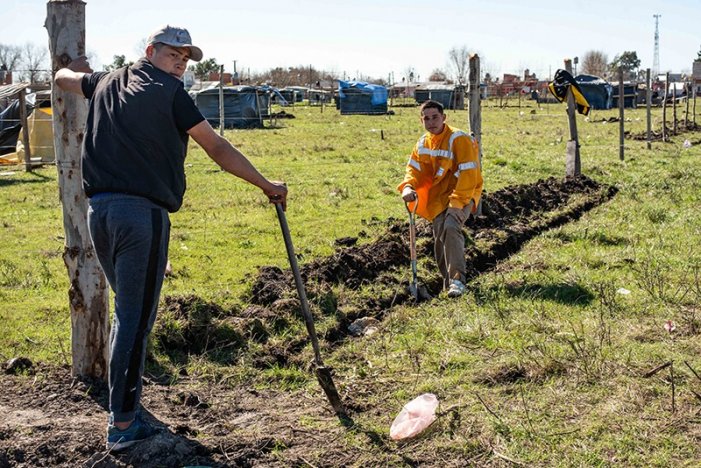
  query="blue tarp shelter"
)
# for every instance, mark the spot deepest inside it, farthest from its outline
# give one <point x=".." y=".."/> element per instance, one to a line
<point x="359" y="97"/>
<point x="597" y="91"/>
<point x="244" y="106"/>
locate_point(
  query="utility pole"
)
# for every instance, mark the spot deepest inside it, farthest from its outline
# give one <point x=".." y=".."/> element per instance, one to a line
<point x="656" y="57"/>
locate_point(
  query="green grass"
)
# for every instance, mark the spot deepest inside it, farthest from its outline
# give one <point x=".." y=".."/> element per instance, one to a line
<point x="542" y="362"/>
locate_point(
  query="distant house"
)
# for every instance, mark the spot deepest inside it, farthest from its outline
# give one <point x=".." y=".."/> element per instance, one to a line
<point x="450" y="95"/>
<point x="359" y="97"/>
<point x="404" y="89"/>
<point x="696" y="76"/>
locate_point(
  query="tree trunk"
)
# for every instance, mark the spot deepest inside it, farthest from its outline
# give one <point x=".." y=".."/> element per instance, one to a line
<point x="88" y="294"/>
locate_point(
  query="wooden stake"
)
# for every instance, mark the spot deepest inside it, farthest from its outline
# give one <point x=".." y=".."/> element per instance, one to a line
<point x="475" y="102"/>
<point x="671" y="376"/>
<point x="621" y="115"/>
<point x="674" y="109"/>
<point x="221" y="100"/>
<point x="573" y="162"/>
<point x="664" y="109"/>
<point x="648" y="108"/>
<point x="687" y="90"/>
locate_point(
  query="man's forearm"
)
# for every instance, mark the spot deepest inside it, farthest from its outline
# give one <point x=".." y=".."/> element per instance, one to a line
<point x="69" y="80"/>
<point x="233" y="161"/>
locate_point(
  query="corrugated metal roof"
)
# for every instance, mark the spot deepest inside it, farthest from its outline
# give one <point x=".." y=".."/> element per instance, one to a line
<point x="12" y="89"/>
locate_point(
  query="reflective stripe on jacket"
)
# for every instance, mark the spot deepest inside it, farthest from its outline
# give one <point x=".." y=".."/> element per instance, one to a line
<point x="445" y="171"/>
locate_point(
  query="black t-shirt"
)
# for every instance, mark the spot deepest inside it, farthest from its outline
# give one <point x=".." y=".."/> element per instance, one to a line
<point x="136" y="133"/>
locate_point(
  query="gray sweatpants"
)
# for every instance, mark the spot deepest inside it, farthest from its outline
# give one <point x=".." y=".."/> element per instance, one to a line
<point x="449" y="247"/>
<point x="130" y="235"/>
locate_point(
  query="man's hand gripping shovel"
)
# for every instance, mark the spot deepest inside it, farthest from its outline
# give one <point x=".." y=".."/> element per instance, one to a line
<point x="323" y="373"/>
<point x="418" y="292"/>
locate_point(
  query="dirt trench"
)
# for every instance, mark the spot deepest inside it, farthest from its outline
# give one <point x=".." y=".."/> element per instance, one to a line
<point x="510" y="217"/>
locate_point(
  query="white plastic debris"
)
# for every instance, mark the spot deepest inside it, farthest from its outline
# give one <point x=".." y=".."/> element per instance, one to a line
<point x="686" y="144"/>
<point x="416" y="416"/>
<point x="623" y="291"/>
<point x="670" y="326"/>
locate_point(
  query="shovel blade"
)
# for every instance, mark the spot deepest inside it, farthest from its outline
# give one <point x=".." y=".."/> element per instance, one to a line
<point x="414" y="291"/>
<point x="323" y="375"/>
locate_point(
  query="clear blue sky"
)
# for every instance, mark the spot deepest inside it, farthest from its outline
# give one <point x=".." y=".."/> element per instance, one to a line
<point x="375" y="38"/>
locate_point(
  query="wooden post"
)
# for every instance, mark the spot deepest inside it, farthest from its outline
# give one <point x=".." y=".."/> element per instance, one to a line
<point x="221" y="100"/>
<point x="674" y="109"/>
<point x="88" y="294"/>
<point x="25" y="130"/>
<point x="687" y="90"/>
<point x="664" y="109"/>
<point x="694" y="107"/>
<point x="475" y="102"/>
<point x="573" y="161"/>
<point x="621" y="115"/>
<point x="648" y="108"/>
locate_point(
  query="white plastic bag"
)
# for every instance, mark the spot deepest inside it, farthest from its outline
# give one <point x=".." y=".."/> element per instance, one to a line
<point x="416" y="416"/>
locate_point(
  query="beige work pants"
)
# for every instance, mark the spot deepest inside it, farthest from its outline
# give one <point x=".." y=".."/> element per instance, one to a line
<point x="449" y="246"/>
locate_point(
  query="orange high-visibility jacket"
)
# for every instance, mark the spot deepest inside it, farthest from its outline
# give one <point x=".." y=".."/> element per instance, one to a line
<point x="445" y="171"/>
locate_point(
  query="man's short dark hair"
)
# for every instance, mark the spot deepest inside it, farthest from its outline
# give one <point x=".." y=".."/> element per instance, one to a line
<point x="431" y="104"/>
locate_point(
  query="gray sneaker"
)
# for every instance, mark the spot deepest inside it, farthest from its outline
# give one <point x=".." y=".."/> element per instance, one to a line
<point x="456" y="288"/>
<point x="138" y="430"/>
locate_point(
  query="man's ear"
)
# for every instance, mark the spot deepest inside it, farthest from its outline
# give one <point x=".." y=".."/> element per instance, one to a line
<point x="149" y="51"/>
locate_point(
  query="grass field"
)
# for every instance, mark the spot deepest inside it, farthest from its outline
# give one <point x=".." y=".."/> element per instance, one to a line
<point x="544" y="361"/>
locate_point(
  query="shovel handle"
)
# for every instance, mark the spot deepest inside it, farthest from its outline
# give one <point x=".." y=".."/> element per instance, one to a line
<point x="308" y="320"/>
<point x="412" y="211"/>
<point x="412" y="226"/>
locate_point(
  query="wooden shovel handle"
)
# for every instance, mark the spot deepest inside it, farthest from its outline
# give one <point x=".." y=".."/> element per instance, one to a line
<point x="308" y="320"/>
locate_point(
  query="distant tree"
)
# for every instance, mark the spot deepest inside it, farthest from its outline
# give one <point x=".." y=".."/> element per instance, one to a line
<point x="118" y="61"/>
<point x="594" y="62"/>
<point x="628" y="61"/>
<point x="10" y="56"/>
<point x="204" y="68"/>
<point x="438" y="75"/>
<point x="698" y="56"/>
<point x="34" y="63"/>
<point x="460" y="62"/>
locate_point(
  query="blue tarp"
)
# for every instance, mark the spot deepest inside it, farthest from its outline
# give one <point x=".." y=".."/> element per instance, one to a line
<point x="244" y="106"/>
<point x="597" y="91"/>
<point x="359" y="97"/>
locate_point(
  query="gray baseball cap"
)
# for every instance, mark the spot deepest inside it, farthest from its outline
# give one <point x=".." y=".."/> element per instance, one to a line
<point x="176" y="37"/>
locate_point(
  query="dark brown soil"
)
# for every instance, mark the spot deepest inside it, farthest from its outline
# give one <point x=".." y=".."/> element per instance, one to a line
<point x="682" y="127"/>
<point x="51" y="419"/>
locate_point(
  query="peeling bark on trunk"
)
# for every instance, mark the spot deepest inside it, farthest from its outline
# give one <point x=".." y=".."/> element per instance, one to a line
<point x="88" y="293"/>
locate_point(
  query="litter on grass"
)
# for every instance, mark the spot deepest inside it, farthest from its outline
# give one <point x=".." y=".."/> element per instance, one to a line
<point x="415" y="417"/>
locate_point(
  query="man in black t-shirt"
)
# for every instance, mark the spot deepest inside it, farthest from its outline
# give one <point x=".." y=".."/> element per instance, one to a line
<point x="139" y="120"/>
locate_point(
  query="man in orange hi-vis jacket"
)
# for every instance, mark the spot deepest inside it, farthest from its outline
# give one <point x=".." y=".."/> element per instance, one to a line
<point x="444" y="173"/>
